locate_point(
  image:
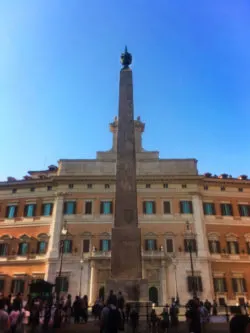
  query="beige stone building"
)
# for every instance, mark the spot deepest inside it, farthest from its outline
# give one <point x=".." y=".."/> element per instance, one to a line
<point x="78" y="195"/>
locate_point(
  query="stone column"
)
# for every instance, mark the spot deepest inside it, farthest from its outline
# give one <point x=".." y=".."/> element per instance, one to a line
<point x="200" y="229"/>
<point x="143" y="268"/>
<point x="56" y="227"/>
<point x="163" y="283"/>
<point x="85" y="278"/>
<point x="92" y="287"/>
<point x="171" y="282"/>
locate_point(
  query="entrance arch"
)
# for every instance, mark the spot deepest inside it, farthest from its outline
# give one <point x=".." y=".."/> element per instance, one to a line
<point x="153" y="295"/>
<point x="102" y="293"/>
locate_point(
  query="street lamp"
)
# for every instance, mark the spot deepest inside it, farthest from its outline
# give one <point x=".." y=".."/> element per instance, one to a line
<point x="190" y="249"/>
<point x="176" y="287"/>
<point x="63" y="233"/>
<point x="80" y="291"/>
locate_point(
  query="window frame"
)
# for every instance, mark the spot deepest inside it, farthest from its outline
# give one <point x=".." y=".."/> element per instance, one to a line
<point x="189" y="204"/>
<point x="8" y="211"/>
<point x="65" y="208"/>
<point x="146" y="210"/>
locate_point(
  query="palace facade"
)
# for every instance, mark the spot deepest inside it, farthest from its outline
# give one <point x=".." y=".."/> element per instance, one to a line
<point x="78" y="196"/>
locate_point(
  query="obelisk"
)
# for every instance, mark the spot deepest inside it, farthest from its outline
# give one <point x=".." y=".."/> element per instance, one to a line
<point x="126" y="262"/>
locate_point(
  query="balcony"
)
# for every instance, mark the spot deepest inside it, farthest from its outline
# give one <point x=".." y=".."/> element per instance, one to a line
<point x="152" y="254"/>
<point x="100" y="254"/>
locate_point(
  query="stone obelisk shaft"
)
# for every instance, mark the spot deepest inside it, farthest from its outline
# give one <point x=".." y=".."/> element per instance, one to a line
<point x="126" y="236"/>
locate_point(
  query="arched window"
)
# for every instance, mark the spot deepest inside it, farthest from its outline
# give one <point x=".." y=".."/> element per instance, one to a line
<point x="23" y="247"/>
<point x="4" y="245"/>
<point x="247" y="238"/>
<point x="42" y="243"/>
<point x="214" y="243"/>
<point x="150" y="242"/>
<point x="102" y="293"/>
<point x="232" y="244"/>
<point x="153" y="295"/>
<point x="105" y="242"/>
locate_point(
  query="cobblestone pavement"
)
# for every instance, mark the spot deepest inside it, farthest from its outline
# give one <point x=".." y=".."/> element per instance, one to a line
<point x="92" y="327"/>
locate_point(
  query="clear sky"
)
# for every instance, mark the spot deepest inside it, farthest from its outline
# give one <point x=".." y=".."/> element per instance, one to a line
<point x="59" y="72"/>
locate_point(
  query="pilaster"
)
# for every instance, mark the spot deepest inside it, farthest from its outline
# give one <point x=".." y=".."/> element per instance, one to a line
<point x="92" y="287"/>
<point x="200" y="226"/>
<point x="56" y="227"/>
<point x="163" y="283"/>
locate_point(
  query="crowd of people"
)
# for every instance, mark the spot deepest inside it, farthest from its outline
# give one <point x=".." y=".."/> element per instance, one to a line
<point x="17" y="315"/>
<point x="112" y="315"/>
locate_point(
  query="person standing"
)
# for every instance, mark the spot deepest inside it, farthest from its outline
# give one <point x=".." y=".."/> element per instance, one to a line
<point x="4" y="318"/>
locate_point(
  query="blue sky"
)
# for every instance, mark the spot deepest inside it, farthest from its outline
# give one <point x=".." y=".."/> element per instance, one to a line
<point x="59" y="72"/>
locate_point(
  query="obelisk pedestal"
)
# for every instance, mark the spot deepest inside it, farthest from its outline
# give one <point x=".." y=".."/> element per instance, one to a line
<point x="126" y="261"/>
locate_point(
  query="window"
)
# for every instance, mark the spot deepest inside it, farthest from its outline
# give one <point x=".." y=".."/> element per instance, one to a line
<point x="244" y="210"/>
<point x="166" y="207"/>
<point x="67" y="246"/>
<point x="220" y="285"/>
<point x="29" y="210"/>
<point x="32" y="189"/>
<point x="107" y="186"/>
<point x="233" y="247"/>
<point x="190" y="244"/>
<point x="47" y="209"/>
<point x="105" y="245"/>
<point x="71" y="186"/>
<point x="23" y="249"/>
<point x="14" y="190"/>
<point x="194" y="283"/>
<point x="165" y="185"/>
<point x="86" y="245"/>
<point x="186" y="207"/>
<point x="248" y="247"/>
<point x="148" y="185"/>
<point x="223" y="188"/>
<point x="239" y="285"/>
<point x="89" y="186"/>
<point x="169" y="245"/>
<point x="214" y="246"/>
<point x="240" y="189"/>
<point x="208" y="208"/>
<point x="41" y="247"/>
<point x="49" y="188"/>
<point x="88" y="207"/>
<point x="150" y="245"/>
<point x="17" y="286"/>
<point x="69" y="207"/>
<point x="149" y="207"/>
<point x="184" y="185"/>
<point x="62" y="284"/>
<point x="1" y="285"/>
<point x="11" y="211"/>
<point x="222" y="301"/>
<point x="106" y="207"/>
<point x="205" y="187"/>
<point x="3" y="249"/>
<point x="226" y="209"/>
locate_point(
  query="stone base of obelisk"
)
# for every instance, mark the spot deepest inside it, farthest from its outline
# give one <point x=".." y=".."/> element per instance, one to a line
<point x="134" y="291"/>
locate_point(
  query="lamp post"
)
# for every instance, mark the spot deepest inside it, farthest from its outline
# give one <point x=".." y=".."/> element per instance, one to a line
<point x="80" y="291"/>
<point x="176" y="287"/>
<point x="190" y="250"/>
<point x="63" y="233"/>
